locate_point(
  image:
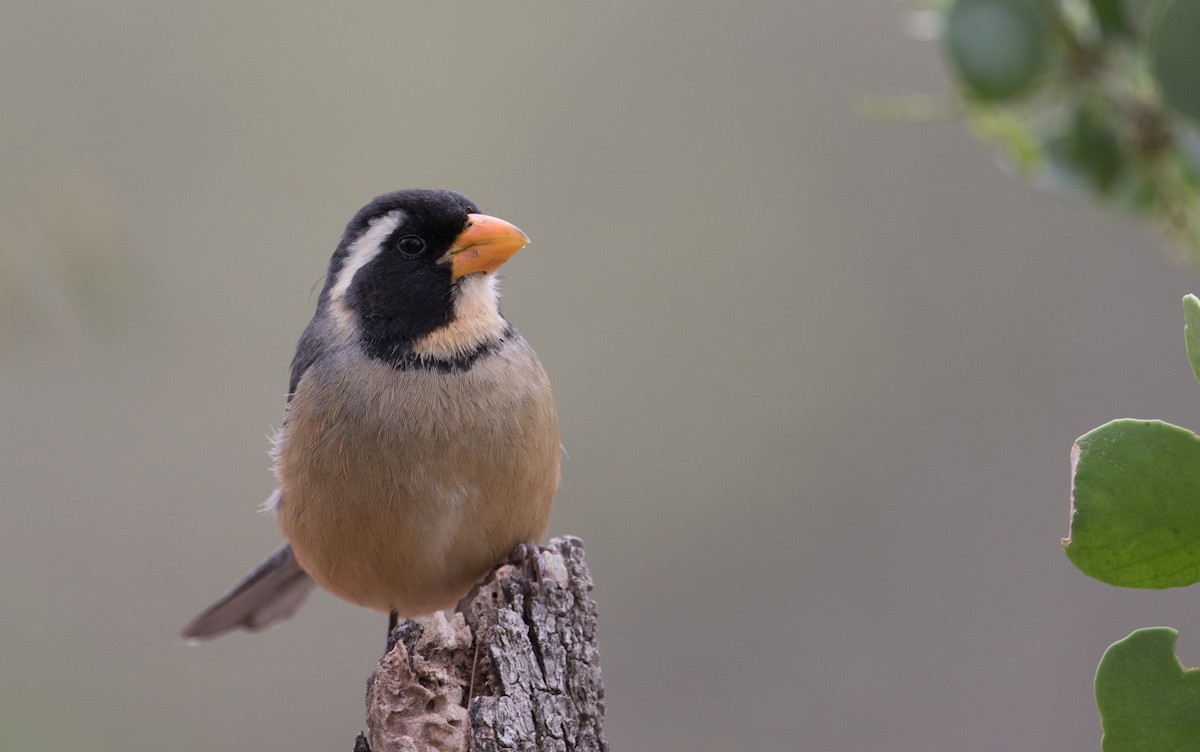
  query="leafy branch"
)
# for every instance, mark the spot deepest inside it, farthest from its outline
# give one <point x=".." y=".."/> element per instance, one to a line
<point x="1093" y="97"/>
<point x="1102" y="98"/>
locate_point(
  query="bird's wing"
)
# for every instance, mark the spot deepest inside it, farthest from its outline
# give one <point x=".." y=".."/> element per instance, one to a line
<point x="272" y="591"/>
<point x="308" y="349"/>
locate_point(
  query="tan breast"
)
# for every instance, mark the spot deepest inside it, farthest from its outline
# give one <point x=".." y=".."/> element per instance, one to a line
<point x="401" y="489"/>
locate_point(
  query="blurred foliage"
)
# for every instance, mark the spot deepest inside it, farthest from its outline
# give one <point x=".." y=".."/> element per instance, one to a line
<point x="1099" y="97"/>
<point x="67" y="263"/>
<point x="83" y="228"/>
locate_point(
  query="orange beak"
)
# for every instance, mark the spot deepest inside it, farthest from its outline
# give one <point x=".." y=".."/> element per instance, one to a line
<point x="485" y="244"/>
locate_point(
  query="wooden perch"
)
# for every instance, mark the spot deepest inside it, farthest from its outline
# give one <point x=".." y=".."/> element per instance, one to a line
<point x="515" y="667"/>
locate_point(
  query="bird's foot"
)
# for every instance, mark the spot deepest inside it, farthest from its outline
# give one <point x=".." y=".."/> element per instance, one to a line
<point x="392" y="636"/>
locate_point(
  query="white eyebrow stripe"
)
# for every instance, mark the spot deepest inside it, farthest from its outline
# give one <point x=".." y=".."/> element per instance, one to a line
<point x="364" y="250"/>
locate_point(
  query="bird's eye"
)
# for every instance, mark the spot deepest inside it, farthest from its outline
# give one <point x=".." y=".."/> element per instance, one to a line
<point x="410" y="245"/>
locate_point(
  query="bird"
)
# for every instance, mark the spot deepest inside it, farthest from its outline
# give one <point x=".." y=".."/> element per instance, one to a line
<point x="419" y="445"/>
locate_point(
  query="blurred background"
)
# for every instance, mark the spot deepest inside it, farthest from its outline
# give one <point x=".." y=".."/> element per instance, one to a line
<point x="818" y="376"/>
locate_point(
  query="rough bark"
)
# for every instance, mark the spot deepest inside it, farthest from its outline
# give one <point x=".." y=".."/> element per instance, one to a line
<point x="515" y="667"/>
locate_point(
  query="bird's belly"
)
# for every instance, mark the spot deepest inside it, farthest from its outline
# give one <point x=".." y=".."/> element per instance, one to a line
<point x="412" y="507"/>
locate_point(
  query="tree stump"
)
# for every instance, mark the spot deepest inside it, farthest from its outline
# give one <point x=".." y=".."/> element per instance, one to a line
<point x="515" y="667"/>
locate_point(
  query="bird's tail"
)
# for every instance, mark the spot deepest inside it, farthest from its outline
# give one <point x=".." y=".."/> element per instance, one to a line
<point x="273" y="591"/>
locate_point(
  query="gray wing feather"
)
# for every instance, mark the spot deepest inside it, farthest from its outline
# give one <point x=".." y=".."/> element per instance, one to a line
<point x="308" y="349"/>
<point x="272" y="591"/>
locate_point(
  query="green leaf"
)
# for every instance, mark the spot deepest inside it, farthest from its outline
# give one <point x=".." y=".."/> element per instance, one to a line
<point x="1010" y="132"/>
<point x="999" y="47"/>
<point x="1135" y="11"/>
<point x="1175" y="53"/>
<point x="1191" y="331"/>
<point x="1135" y="504"/>
<point x="1087" y="152"/>
<point x="1112" y="17"/>
<point x="1096" y="147"/>
<point x="1147" y="699"/>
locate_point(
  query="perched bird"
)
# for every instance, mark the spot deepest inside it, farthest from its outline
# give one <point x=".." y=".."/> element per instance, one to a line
<point x="419" y="446"/>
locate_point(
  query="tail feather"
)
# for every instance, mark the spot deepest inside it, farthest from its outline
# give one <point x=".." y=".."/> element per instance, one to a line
<point x="272" y="591"/>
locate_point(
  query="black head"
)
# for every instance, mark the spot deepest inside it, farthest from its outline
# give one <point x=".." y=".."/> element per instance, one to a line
<point x="403" y="289"/>
<point x="402" y="259"/>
